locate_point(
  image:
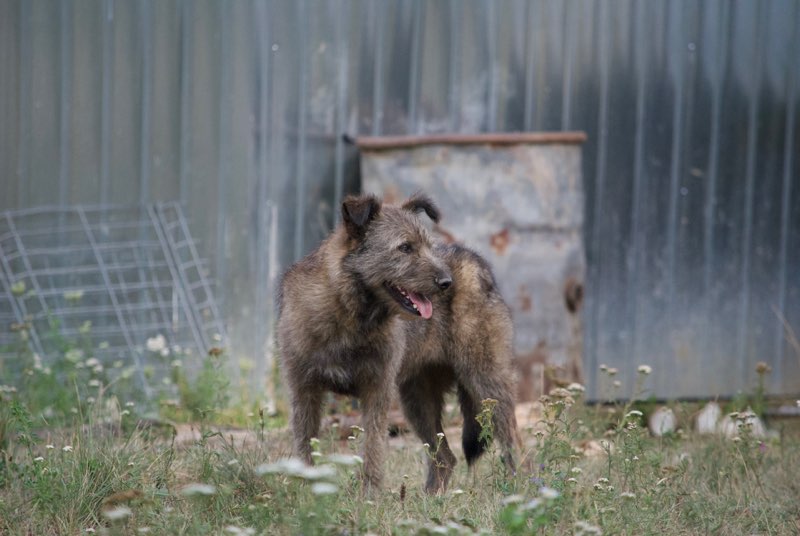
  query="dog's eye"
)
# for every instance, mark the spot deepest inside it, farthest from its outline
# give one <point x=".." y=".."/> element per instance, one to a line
<point x="405" y="247"/>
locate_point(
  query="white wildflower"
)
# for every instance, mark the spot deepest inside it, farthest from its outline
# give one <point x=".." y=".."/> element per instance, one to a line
<point x="582" y="528"/>
<point x="118" y="513"/>
<point x="198" y="489"/>
<point x="289" y="466"/>
<point x="38" y="459"/>
<point x="324" y="488"/>
<point x="627" y="495"/>
<point x="49" y="447"/>
<point x="644" y="369"/>
<point x="512" y="499"/>
<point x="344" y="459"/>
<point x="156" y="344"/>
<point x="576" y="470"/>
<point x="549" y="493"/>
<point x="67" y="448"/>
<point x="576" y="387"/>
<point x="94" y="383"/>
<point x="533" y="504"/>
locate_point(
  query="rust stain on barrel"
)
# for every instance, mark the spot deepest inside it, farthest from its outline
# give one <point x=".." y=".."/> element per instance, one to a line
<point x="499" y="241"/>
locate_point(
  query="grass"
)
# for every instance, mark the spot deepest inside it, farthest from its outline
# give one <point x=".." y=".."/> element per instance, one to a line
<point x="76" y="458"/>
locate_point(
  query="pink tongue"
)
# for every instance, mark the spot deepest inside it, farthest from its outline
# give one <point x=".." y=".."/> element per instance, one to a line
<point x="424" y="306"/>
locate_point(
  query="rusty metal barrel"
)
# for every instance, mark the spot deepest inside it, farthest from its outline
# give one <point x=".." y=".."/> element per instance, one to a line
<point x="517" y="199"/>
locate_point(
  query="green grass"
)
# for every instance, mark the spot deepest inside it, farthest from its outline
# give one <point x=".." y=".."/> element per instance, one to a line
<point x="124" y="480"/>
<point x="76" y="458"/>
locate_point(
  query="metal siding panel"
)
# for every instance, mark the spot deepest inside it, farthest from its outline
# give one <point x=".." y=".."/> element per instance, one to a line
<point x="84" y="128"/>
<point x="690" y="172"/>
<point x="785" y="350"/>
<point x="10" y="82"/>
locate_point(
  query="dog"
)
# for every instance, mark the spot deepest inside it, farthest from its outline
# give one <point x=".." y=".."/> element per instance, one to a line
<point x="467" y="346"/>
<point x="341" y="316"/>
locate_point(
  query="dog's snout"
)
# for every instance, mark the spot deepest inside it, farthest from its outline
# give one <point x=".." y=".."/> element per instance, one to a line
<point x="444" y="281"/>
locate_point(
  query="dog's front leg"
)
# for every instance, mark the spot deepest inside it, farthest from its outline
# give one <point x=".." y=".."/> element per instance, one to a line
<point x="306" y="416"/>
<point x="375" y="422"/>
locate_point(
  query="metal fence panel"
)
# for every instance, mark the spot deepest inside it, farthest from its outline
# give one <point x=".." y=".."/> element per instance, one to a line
<point x="236" y="110"/>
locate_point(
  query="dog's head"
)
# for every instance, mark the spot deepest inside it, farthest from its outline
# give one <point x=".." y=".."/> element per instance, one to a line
<point x="393" y="253"/>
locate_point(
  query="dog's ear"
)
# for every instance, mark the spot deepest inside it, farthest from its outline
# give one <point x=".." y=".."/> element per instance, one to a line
<point x="357" y="212"/>
<point x="420" y="202"/>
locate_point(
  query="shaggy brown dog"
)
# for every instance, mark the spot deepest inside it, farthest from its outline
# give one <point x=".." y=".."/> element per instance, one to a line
<point x="340" y="327"/>
<point x="467" y="345"/>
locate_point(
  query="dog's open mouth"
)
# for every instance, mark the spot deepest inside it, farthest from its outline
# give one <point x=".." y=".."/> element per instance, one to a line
<point x="412" y="302"/>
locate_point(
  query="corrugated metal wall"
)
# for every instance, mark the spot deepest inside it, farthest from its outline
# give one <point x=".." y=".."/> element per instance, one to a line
<point x="235" y="108"/>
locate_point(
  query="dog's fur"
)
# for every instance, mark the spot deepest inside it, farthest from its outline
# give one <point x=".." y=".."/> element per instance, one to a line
<point x="341" y="326"/>
<point x="467" y="345"/>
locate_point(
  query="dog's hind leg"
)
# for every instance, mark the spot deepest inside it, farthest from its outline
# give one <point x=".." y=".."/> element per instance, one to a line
<point x="422" y="397"/>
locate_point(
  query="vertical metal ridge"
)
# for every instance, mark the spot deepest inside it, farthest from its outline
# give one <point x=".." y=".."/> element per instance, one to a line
<point x="604" y="24"/>
<point x="146" y="70"/>
<point x="223" y="131"/>
<point x="342" y="49"/>
<point x="491" y="53"/>
<point x="65" y="103"/>
<point x="25" y="83"/>
<point x="413" y="76"/>
<point x="263" y="312"/>
<point x="786" y="192"/>
<point x="677" y="40"/>
<point x="750" y="171"/>
<point x="638" y="178"/>
<point x="105" y="100"/>
<point x="453" y="75"/>
<point x="529" y="68"/>
<point x="185" y="92"/>
<point x="302" y="121"/>
<point x="723" y="42"/>
<point x="568" y="47"/>
<point x="377" y="68"/>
